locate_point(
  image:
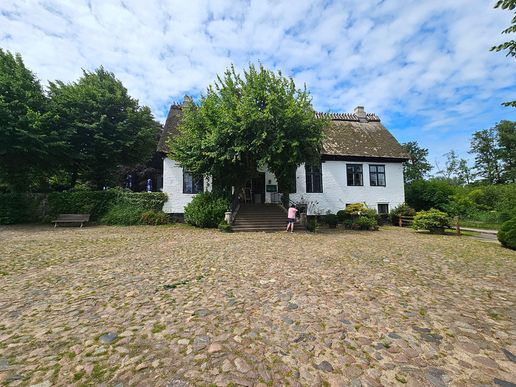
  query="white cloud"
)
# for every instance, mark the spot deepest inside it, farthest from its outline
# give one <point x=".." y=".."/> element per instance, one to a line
<point x="424" y="66"/>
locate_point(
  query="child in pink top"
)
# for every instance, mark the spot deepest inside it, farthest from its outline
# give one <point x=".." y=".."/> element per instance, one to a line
<point x="291" y="218"/>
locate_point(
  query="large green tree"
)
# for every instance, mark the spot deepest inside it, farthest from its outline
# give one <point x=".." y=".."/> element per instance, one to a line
<point x="509" y="45"/>
<point x="495" y="153"/>
<point x="245" y="121"/>
<point x="103" y="127"/>
<point x="487" y="160"/>
<point x="506" y="138"/>
<point x="417" y="167"/>
<point x="28" y="145"/>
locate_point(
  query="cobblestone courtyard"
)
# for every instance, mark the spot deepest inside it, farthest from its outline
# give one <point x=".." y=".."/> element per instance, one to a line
<point x="179" y="306"/>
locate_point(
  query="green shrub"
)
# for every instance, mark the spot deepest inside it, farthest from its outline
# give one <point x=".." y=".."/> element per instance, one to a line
<point x="224" y="227"/>
<point x="312" y="224"/>
<point x="507" y="234"/>
<point x="21" y="208"/>
<point x="154" y="218"/>
<point x="355" y="209"/>
<point x="13" y="208"/>
<point x="206" y="210"/>
<point x="367" y="223"/>
<point x="485" y="197"/>
<point x="359" y="217"/>
<point x="426" y="194"/>
<point x="123" y="214"/>
<point x="432" y="220"/>
<point x="347" y="223"/>
<point x="331" y="220"/>
<point x="402" y="210"/>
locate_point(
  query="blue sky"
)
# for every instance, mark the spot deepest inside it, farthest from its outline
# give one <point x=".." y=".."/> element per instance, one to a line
<point x="423" y="66"/>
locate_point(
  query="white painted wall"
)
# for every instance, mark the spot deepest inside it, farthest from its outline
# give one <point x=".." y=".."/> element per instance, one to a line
<point x="173" y="187"/>
<point x="336" y="193"/>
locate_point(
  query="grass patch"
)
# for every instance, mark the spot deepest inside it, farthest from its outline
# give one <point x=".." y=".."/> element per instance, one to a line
<point x="158" y="328"/>
<point x="481" y="225"/>
<point x="494" y="315"/>
<point x="78" y="375"/>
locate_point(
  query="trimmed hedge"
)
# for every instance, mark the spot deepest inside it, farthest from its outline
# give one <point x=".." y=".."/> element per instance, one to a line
<point x="507" y="234"/>
<point x="95" y="203"/>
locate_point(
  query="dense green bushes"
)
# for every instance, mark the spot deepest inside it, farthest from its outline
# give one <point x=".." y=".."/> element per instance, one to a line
<point x="358" y="217"/>
<point x="331" y="220"/>
<point x="113" y="206"/>
<point x="483" y="204"/>
<point x="21" y="208"/>
<point x="507" y="234"/>
<point x="130" y="208"/>
<point x="155" y="218"/>
<point x="206" y="210"/>
<point x="432" y="220"/>
<point x="402" y="210"/>
<point x="426" y="194"/>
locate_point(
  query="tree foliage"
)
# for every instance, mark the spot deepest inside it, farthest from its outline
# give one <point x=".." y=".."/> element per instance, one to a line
<point x="506" y="139"/>
<point x="495" y="154"/>
<point x="103" y="127"/>
<point x="426" y="194"/>
<point x="417" y="167"/>
<point x="456" y="170"/>
<point x="509" y="45"/>
<point x="246" y="121"/>
<point x="27" y="141"/>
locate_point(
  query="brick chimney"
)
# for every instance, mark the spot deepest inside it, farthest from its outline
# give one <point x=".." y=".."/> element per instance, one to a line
<point x="360" y="113"/>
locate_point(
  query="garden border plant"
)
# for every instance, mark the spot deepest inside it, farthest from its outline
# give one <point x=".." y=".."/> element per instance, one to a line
<point x="432" y="220"/>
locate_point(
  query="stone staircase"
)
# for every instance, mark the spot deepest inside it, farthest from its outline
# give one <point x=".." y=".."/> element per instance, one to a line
<point x="260" y="217"/>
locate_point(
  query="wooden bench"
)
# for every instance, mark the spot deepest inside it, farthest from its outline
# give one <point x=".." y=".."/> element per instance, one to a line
<point x="71" y="219"/>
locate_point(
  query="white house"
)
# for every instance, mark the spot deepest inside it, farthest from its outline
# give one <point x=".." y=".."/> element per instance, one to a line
<point x="360" y="162"/>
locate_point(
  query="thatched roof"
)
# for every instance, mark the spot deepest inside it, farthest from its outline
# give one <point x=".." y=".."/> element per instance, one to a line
<point x="349" y="135"/>
<point x="359" y="135"/>
<point x="170" y="128"/>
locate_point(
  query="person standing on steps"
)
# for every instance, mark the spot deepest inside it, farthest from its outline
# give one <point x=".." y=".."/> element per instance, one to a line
<point x="291" y="218"/>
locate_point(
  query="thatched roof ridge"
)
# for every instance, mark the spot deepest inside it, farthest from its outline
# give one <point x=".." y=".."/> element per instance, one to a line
<point x="347" y="116"/>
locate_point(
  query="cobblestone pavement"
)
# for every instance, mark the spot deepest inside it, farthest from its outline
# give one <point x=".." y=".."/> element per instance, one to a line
<point x="178" y="306"/>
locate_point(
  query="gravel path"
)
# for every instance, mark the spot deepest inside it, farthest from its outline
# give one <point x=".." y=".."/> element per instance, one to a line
<point x="178" y="306"/>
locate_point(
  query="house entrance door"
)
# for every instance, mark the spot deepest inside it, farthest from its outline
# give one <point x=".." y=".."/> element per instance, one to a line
<point x="258" y="188"/>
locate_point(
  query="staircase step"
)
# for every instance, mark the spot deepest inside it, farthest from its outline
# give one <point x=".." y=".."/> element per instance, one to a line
<point x="260" y="218"/>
